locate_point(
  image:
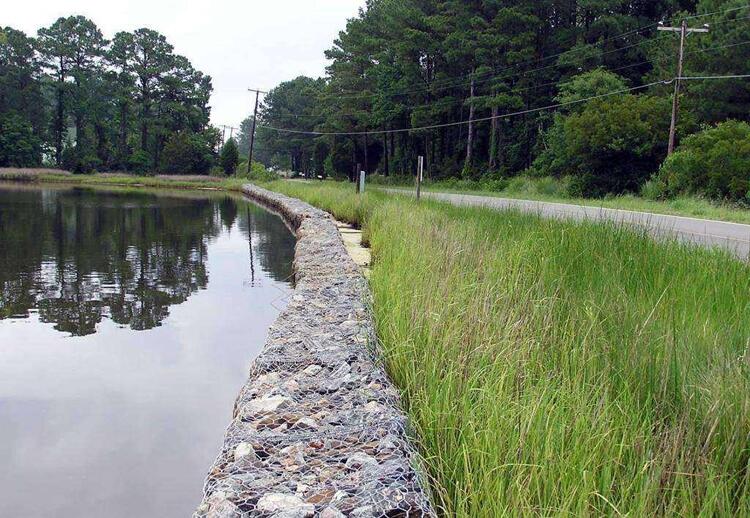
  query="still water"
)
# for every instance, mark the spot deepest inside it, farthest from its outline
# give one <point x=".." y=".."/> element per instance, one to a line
<point x="127" y="324"/>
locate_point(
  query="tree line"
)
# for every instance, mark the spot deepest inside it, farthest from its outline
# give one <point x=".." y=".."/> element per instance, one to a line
<point x="409" y="64"/>
<point x="72" y="99"/>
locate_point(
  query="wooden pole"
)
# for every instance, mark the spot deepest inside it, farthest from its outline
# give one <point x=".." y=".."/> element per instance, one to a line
<point x="420" y="174"/>
<point x="676" y="100"/>
<point x="252" y="132"/>
<point x="684" y="31"/>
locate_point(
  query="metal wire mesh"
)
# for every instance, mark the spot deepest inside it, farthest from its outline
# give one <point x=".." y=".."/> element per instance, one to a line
<point x="317" y="429"/>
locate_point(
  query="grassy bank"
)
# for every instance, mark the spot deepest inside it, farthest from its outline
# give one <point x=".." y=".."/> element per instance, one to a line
<point x="559" y="369"/>
<point x="552" y="190"/>
<point x="124" y="180"/>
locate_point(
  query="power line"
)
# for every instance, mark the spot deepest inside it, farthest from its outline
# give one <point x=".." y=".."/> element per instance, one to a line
<point x="462" y="100"/>
<point x="461" y="123"/>
<point x="500" y="116"/>
<point x="736" y="76"/>
<point x="725" y="11"/>
<point x="523" y="89"/>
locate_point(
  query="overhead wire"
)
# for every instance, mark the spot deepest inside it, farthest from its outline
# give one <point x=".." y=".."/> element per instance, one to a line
<point x="552" y="106"/>
<point x="464" y="122"/>
<point x="499" y="116"/>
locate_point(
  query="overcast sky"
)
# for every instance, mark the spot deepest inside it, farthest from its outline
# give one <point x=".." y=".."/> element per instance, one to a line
<point x="240" y="44"/>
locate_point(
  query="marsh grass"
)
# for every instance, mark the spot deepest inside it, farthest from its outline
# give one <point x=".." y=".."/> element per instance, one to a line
<point x="121" y="179"/>
<point x="560" y="369"/>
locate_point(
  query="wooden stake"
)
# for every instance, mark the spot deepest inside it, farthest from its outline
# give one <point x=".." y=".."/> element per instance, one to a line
<point x="420" y="175"/>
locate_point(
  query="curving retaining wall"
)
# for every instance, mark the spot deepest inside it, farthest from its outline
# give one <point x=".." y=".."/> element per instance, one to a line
<point x="317" y="428"/>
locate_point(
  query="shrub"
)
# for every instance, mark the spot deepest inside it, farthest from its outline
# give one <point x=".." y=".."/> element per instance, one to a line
<point x="258" y="173"/>
<point x="611" y="146"/>
<point x="186" y="153"/>
<point x="714" y="163"/>
<point x="19" y="147"/>
<point x="77" y="159"/>
<point x="230" y="157"/>
<point x="138" y="162"/>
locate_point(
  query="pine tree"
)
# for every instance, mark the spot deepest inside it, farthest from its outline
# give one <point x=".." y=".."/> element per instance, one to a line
<point x="230" y="157"/>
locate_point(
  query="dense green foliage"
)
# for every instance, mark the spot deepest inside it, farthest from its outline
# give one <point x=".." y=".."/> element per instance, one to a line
<point x="414" y="63"/>
<point x="98" y="104"/>
<point x="560" y="369"/>
<point x="714" y="163"/>
<point x="229" y="157"/>
<point x="18" y="145"/>
<point x="611" y="146"/>
<point x="186" y="153"/>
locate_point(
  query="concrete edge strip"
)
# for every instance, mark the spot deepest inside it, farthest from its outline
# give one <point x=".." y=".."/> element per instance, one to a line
<point x="318" y="428"/>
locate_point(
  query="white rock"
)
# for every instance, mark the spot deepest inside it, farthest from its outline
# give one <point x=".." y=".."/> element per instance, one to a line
<point x="220" y="507"/>
<point x="266" y="404"/>
<point x="291" y="386"/>
<point x="312" y="370"/>
<point x="339" y="496"/>
<point x="306" y="423"/>
<point x="272" y="378"/>
<point x="225" y="509"/>
<point x="281" y="503"/>
<point x="331" y="512"/>
<point x="362" y="512"/>
<point x="373" y="407"/>
<point x="244" y="449"/>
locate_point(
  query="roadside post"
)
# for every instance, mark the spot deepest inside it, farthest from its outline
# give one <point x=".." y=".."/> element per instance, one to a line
<point x="420" y="175"/>
<point x="355" y="176"/>
<point x="361" y="183"/>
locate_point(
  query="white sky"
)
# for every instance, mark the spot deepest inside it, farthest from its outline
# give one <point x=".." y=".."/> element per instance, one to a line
<point x="240" y="44"/>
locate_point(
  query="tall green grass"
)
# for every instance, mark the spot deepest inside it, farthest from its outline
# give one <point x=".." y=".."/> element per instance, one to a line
<point x="560" y="369"/>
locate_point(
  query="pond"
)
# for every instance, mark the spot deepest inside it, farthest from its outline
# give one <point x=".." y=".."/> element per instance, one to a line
<point x="128" y="321"/>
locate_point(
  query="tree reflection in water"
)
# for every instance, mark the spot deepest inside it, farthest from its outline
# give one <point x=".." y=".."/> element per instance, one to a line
<point x="76" y="256"/>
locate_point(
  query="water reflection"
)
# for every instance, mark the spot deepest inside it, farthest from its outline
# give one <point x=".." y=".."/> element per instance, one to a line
<point x="78" y="255"/>
<point x="127" y="323"/>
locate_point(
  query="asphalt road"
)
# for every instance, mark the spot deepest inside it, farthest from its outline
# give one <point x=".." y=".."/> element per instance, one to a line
<point x="733" y="237"/>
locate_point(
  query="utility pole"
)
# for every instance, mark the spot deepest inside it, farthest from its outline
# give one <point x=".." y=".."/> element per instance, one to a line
<point x="252" y="132"/>
<point x="684" y="31"/>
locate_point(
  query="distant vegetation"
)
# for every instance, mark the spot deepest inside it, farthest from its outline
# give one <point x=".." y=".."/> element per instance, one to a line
<point x="714" y="163"/>
<point x="411" y="64"/>
<point x="559" y="369"/>
<point x="72" y="99"/>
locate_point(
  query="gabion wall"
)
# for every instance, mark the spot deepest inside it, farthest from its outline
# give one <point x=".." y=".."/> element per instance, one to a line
<point x="317" y="428"/>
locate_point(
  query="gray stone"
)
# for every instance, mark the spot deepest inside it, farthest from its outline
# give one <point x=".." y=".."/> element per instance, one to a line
<point x="363" y="512"/>
<point x="313" y="370"/>
<point x="289" y="448"/>
<point x="305" y="423"/>
<point x="359" y="460"/>
<point x="219" y="507"/>
<point x="331" y="512"/>
<point x="265" y="405"/>
<point x="274" y="503"/>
